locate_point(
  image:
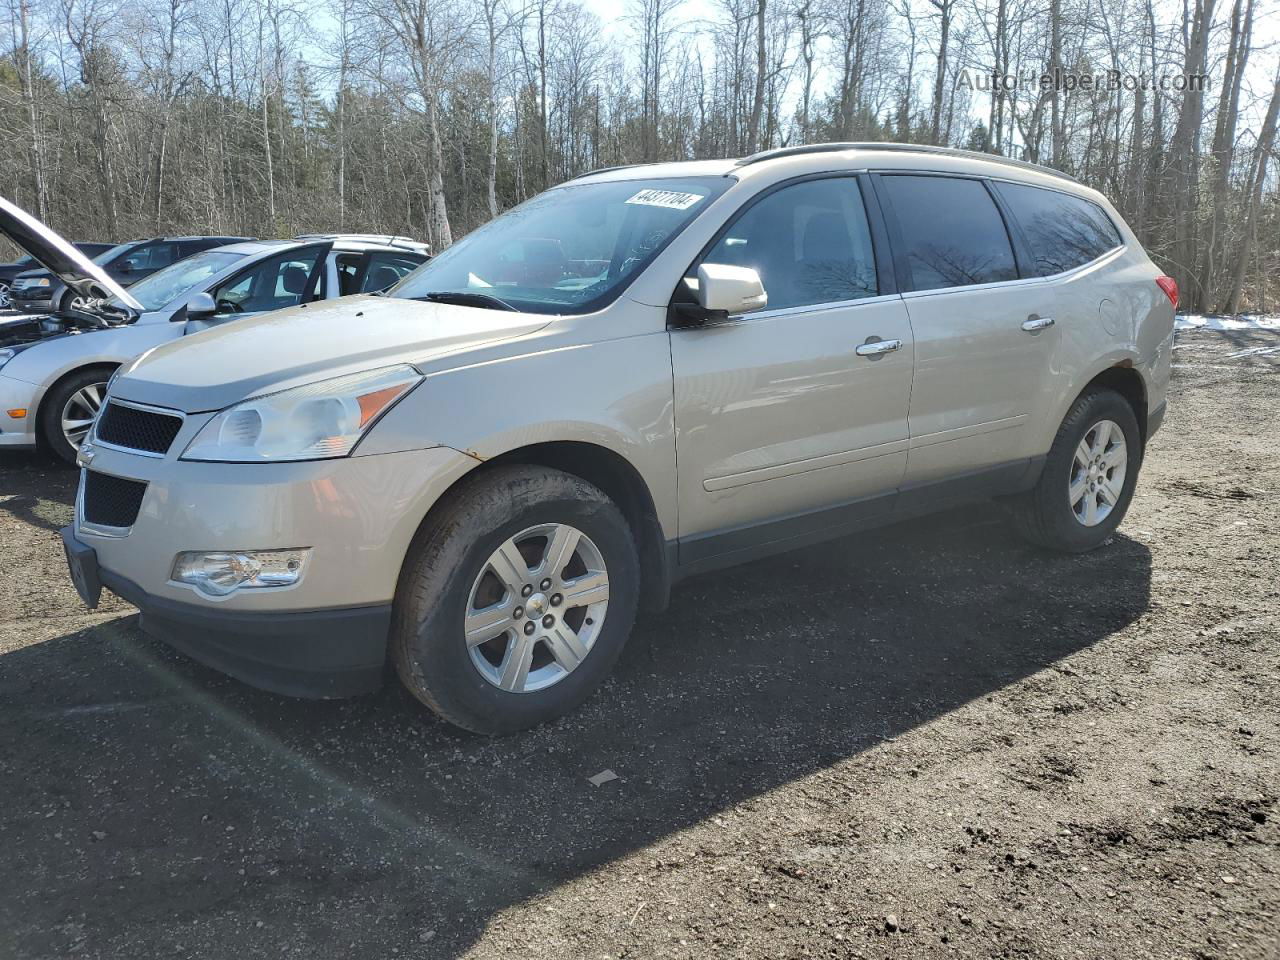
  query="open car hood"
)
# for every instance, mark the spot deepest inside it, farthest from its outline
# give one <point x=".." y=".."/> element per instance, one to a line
<point x="59" y="257"/>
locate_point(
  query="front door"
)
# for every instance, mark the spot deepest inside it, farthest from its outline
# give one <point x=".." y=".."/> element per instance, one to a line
<point x="275" y="283"/>
<point x="790" y="410"/>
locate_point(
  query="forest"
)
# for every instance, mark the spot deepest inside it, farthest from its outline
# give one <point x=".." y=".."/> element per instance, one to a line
<point x="129" y="118"/>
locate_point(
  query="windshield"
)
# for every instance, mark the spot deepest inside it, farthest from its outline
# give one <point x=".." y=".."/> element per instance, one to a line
<point x="106" y="256"/>
<point x="572" y="249"/>
<point x="166" y="285"/>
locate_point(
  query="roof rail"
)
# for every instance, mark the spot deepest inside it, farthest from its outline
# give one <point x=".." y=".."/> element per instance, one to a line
<point x="900" y="148"/>
<point x="620" y="166"/>
<point x="384" y="238"/>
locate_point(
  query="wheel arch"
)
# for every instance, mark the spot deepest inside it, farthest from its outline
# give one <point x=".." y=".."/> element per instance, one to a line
<point x="1122" y="377"/>
<point x="106" y="366"/>
<point x="612" y="473"/>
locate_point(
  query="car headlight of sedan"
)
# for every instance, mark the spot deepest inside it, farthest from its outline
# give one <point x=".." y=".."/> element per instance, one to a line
<point x="317" y="421"/>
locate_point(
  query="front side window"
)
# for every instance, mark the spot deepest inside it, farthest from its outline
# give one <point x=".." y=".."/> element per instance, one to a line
<point x="572" y="249"/>
<point x="1063" y="232"/>
<point x="273" y="284"/>
<point x="165" y="286"/>
<point x="809" y="242"/>
<point x="952" y="232"/>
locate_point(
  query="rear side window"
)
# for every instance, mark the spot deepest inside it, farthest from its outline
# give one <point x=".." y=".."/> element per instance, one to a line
<point x="1062" y="231"/>
<point x="809" y="242"/>
<point x="952" y="233"/>
<point x="386" y="270"/>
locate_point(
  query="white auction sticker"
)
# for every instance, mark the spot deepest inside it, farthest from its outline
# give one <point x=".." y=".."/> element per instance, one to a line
<point x="666" y="198"/>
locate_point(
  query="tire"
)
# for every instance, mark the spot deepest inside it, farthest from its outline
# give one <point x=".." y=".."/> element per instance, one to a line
<point x="1049" y="515"/>
<point x="66" y="302"/>
<point x="73" y="394"/>
<point x="450" y="573"/>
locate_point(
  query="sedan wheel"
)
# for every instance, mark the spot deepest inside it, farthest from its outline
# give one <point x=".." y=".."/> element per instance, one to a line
<point x="536" y="608"/>
<point x="79" y="410"/>
<point x="1097" y="473"/>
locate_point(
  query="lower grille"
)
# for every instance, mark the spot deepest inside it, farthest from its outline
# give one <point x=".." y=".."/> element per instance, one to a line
<point x="137" y="429"/>
<point x="111" y="501"/>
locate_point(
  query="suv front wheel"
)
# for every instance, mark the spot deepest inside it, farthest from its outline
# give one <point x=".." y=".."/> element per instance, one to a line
<point x="515" y="600"/>
<point x="1088" y="478"/>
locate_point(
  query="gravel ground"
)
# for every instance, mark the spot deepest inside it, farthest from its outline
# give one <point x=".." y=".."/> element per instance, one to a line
<point x="930" y="741"/>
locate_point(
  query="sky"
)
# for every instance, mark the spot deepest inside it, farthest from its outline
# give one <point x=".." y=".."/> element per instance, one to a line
<point x="1259" y="79"/>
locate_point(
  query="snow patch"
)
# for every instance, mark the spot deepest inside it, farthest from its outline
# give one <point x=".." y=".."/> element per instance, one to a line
<point x="1195" y="321"/>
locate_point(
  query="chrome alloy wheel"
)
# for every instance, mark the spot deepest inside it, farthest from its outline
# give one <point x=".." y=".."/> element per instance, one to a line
<point x="5" y="303"/>
<point x="1097" y="473"/>
<point x="78" y="412"/>
<point x="536" y="608"/>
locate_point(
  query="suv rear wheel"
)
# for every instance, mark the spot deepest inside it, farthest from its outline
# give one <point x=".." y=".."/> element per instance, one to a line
<point x="516" y="600"/>
<point x="1088" y="479"/>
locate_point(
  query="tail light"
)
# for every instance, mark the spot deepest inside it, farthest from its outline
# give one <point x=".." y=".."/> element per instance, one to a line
<point x="1170" y="288"/>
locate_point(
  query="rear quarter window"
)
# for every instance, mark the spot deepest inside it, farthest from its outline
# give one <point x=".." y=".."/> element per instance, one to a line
<point x="1062" y="231"/>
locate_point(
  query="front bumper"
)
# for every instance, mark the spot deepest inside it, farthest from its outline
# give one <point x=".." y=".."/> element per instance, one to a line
<point x="26" y="301"/>
<point x="18" y="395"/>
<point x="324" y="636"/>
<point x="315" y="654"/>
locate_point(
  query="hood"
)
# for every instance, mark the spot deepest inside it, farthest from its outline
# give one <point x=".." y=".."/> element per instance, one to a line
<point x="245" y="358"/>
<point x="62" y="259"/>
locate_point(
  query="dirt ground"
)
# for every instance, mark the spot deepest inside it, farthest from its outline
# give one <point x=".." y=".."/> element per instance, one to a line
<point x="932" y="741"/>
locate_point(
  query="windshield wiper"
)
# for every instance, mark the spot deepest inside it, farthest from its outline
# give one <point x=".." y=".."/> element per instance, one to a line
<point x="466" y="299"/>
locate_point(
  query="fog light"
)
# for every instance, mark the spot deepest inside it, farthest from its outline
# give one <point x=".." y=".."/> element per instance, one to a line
<point x="219" y="573"/>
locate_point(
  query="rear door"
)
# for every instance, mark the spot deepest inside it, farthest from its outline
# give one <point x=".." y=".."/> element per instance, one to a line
<point x="786" y="412"/>
<point x="983" y="346"/>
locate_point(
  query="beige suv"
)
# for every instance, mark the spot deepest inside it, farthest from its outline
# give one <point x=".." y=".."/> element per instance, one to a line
<point x="644" y="373"/>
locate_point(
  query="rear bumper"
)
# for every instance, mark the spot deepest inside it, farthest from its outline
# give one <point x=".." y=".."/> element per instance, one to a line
<point x="316" y="654"/>
<point x="1155" y="419"/>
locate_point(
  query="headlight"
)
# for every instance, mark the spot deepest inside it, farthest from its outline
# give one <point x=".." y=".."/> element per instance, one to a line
<point x="314" y="422"/>
<point x="35" y="282"/>
<point x="219" y="573"/>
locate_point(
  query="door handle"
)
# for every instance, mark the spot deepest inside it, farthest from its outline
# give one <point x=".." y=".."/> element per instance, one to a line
<point x="877" y="348"/>
<point x="1035" y="323"/>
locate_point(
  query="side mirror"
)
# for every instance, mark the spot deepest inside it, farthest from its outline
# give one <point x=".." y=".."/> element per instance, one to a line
<point x="732" y="290"/>
<point x="201" y="306"/>
<point x="722" y="291"/>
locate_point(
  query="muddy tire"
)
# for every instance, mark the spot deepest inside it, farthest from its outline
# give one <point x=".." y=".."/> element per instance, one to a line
<point x="515" y="600"/>
<point x="1088" y="479"/>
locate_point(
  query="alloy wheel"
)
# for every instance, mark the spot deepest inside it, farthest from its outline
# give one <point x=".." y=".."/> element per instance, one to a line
<point x="5" y="302"/>
<point x="79" y="411"/>
<point x="536" y="608"/>
<point x="1097" y="473"/>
